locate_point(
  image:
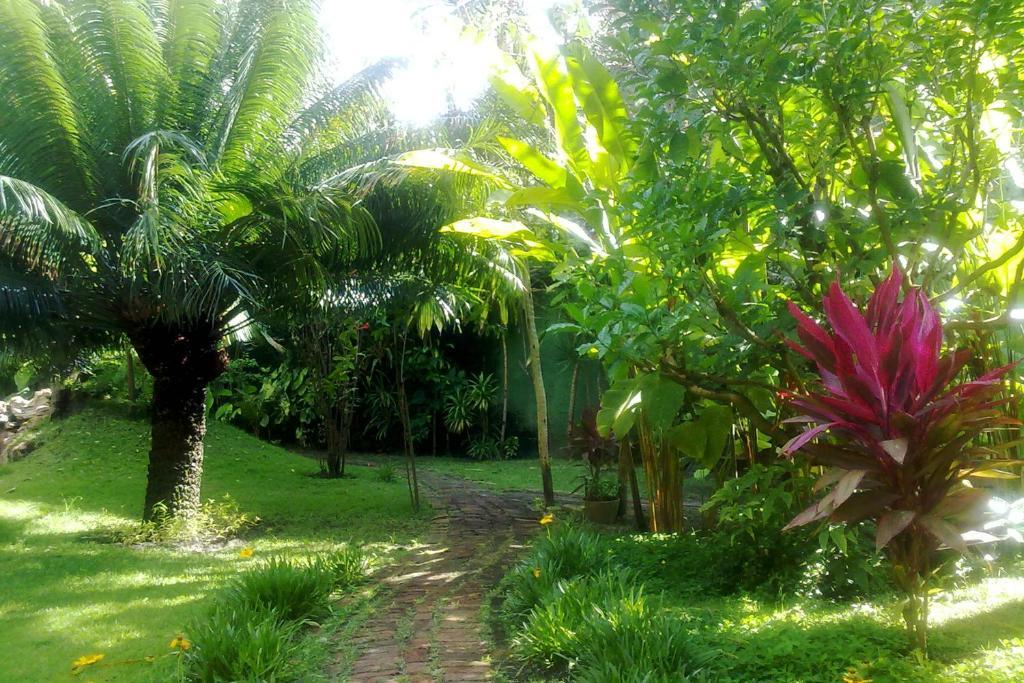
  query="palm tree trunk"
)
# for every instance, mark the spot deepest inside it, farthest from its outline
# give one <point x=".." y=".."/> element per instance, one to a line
<point x="537" y="376"/>
<point x="176" y="453"/>
<point x="183" y="361"/>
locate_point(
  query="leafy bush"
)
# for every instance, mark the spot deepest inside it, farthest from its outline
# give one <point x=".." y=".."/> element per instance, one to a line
<point x="105" y="375"/>
<point x="241" y="643"/>
<point x="492" y="448"/>
<point x="385" y="473"/>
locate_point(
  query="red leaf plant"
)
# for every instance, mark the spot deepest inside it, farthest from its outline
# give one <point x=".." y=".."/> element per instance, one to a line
<point x="901" y="428"/>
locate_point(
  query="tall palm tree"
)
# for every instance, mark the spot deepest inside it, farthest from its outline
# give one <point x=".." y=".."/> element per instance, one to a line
<point x="164" y="164"/>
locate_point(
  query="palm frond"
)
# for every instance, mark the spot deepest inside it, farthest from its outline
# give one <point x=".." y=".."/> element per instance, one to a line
<point x="346" y="108"/>
<point x="119" y="36"/>
<point x="40" y="123"/>
<point x="23" y="205"/>
<point x="192" y="40"/>
<point x="271" y="77"/>
<point x="26" y="299"/>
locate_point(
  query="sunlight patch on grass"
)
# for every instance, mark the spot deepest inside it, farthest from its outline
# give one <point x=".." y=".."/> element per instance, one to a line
<point x="983" y="597"/>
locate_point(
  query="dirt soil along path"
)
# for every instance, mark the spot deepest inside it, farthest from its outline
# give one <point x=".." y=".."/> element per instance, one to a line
<point x="430" y="629"/>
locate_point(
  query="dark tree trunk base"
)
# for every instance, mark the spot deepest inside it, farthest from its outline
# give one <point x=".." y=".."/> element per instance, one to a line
<point x="176" y="453"/>
<point x="183" y="360"/>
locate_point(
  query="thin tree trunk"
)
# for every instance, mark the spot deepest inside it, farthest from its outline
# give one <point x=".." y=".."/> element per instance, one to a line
<point x="129" y="368"/>
<point x="504" y="382"/>
<point x="336" y="446"/>
<point x="403" y="415"/>
<point x="537" y="375"/>
<point x="572" y="399"/>
<point x="623" y="476"/>
<point x="634" y="487"/>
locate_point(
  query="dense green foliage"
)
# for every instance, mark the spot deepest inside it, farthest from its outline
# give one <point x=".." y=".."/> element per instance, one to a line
<point x="185" y="182"/>
<point x="670" y="588"/>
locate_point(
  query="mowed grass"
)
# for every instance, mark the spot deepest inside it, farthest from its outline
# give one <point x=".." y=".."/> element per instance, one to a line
<point x="521" y="474"/>
<point x="69" y="591"/>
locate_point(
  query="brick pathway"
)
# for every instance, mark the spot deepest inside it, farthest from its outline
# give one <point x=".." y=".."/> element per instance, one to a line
<point x="431" y="630"/>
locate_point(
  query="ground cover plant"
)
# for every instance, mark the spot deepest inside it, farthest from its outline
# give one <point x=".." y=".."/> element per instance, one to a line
<point x="560" y="600"/>
<point x="74" y="590"/>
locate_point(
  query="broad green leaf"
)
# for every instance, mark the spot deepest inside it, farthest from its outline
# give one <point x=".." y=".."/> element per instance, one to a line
<point x="517" y="91"/>
<point x="690" y="438"/>
<point x="487" y="228"/>
<point x="901" y="115"/>
<point x="543" y="168"/>
<point x="542" y="198"/>
<point x="438" y="160"/>
<point x="662" y="399"/>
<point x="602" y="104"/>
<point x="555" y="86"/>
<point x="717" y="421"/>
<point x="570" y="228"/>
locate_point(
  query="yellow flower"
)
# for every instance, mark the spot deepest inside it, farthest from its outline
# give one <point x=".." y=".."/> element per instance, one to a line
<point x="180" y="642"/>
<point x="85" y="660"/>
<point x="536" y="572"/>
<point x="547" y="519"/>
<point x="245" y="553"/>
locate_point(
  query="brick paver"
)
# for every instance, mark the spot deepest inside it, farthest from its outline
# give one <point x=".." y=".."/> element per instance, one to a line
<point x="431" y="632"/>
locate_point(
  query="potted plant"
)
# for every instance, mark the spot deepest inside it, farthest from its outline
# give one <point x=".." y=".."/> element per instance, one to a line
<point x="599" y="454"/>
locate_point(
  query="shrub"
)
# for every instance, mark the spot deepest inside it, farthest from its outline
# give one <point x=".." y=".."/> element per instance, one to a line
<point x="294" y="590"/>
<point x="901" y="428"/>
<point x="385" y="473"/>
<point x="604" y="622"/>
<point x="241" y="643"/>
<point x="750" y="513"/>
<point x="216" y="520"/>
<point x="565" y="553"/>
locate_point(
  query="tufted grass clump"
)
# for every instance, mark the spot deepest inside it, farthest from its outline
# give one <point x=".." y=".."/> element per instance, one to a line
<point x="253" y="631"/>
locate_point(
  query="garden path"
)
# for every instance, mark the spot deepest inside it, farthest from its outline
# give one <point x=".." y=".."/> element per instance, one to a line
<point x="431" y="629"/>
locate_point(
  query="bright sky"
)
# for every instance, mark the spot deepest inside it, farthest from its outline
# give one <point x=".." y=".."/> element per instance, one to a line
<point x="442" y="60"/>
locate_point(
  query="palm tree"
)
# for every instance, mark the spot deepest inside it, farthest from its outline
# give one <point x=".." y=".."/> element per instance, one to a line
<point x="161" y="171"/>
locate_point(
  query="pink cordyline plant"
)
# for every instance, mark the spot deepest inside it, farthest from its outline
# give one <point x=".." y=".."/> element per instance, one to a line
<point x="901" y="430"/>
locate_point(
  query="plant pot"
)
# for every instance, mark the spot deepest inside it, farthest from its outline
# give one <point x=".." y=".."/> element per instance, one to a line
<point x="601" y="511"/>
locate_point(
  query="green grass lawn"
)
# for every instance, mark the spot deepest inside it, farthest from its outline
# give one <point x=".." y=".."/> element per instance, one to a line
<point x="69" y="591"/>
<point x="520" y="474"/>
